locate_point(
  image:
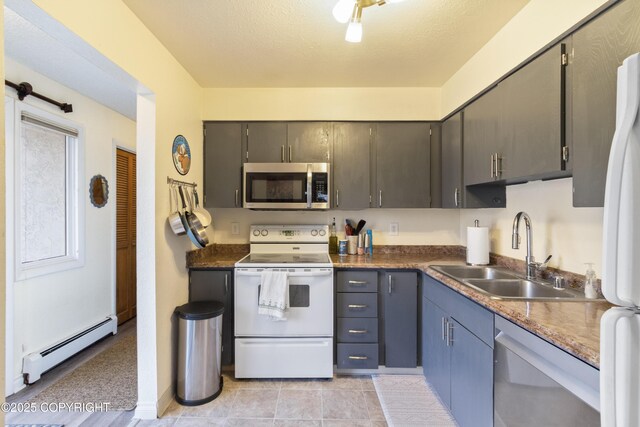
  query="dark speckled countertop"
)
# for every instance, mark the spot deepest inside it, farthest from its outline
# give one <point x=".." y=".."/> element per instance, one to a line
<point x="572" y="326"/>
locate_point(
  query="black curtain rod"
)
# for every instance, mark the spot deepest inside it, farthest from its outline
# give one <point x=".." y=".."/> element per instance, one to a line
<point x="24" y="89"/>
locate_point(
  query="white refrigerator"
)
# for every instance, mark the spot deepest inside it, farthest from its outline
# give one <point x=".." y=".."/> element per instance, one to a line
<point x="620" y="326"/>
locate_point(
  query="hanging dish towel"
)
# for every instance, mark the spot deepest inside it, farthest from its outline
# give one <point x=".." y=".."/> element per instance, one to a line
<point x="274" y="294"/>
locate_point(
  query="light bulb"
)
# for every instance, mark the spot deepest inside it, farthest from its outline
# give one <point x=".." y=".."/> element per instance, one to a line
<point x="342" y="10"/>
<point x="354" y="32"/>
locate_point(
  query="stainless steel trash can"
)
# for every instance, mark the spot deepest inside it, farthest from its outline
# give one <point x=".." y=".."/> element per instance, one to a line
<point x="199" y="377"/>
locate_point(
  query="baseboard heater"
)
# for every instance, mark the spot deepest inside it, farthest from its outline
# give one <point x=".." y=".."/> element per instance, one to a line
<point x="35" y="364"/>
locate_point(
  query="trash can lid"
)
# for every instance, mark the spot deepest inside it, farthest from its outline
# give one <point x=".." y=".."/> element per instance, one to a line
<point x="199" y="310"/>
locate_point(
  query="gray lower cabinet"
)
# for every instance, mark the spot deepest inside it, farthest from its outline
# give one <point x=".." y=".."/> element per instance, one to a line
<point x="598" y="50"/>
<point x="265" y="142"/>
<point x="357" y="319"/>
<point x="436" y="361"/>
<point x="351" y="179"/>
<point x="458" y="353"/>
<point x="222" y="165"/>
<point x="309" y="142"/>
<point x="452" y="190"/>
<point x="216" y="285"/>
<point x="399" y="291"/>
<point x="402" y="165"/>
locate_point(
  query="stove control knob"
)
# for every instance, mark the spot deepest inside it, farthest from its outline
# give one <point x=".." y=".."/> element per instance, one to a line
<point x="256" y="232"/>
<point x="264" y="232"/>
<point x="314" y="232"/>
<point x="322" y="232"/>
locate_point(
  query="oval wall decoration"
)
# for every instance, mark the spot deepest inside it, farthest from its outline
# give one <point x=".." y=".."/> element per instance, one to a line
<point x="181" y="155"/>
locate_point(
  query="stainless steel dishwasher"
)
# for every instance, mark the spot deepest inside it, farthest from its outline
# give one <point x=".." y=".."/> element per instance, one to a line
<point x="538" y="384"/>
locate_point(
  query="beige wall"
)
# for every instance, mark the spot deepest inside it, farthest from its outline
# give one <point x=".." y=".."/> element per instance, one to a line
<point x="3" y="305"/>
<point x="536" y="25"/>
<point x="322" y="104"/>
<point x="416" y="226"/>
<point x="572" y="235"/>
<point x="111" y="27"/>
<point x="50" y="308"/>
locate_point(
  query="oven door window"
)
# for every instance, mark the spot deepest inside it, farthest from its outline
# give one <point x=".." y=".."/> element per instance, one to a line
<point x="276" y="187"/>
<point x="298" y="296"/>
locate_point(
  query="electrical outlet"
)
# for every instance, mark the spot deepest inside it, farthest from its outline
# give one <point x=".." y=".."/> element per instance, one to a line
<point x="394" y="229"/>
<point x="235" y="228"/>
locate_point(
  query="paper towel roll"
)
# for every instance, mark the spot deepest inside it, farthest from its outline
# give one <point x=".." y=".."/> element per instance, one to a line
<point x="478" y="245"/>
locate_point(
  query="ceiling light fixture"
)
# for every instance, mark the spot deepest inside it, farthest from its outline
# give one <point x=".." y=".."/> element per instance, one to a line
<point x="345" y="9"/>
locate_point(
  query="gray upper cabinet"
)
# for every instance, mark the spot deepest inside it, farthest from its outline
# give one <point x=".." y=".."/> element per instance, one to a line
<point x="532" y="119"/>
<point x="452" y="162"/>
<point x="222" y="165"/>
<point x="351" y="165"/>
<point x="399" y="291"/>
<point x="481" y="138"/>
<point x="598" y="50"/>
<point x="266" y="142"/>
<point x="402" y="165"/>
<point x="308" y="142"/>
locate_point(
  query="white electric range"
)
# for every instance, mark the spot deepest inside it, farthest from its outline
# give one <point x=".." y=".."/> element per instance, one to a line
<point x="302" y="345"/>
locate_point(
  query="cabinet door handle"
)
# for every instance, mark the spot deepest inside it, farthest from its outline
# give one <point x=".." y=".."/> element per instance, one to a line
<point x="492" y="166"/>
<point x="455" y="197"/>
<point x="290" y="155"/>
<point x="390" y="284"/>
<point x="358" y="331"/>
<point x="358" y="282"/>
<point x="357" y="306"/>
<point x="236" y="199"/>
<point x="380" y="199"/>
<point x="282" y="153"/>
<point x="444" y="329"/>
<point x="337" y="198"/>
<point x="226" y="283"/>
<point x="498" y="165"/>
<point x="449" y="334"/>
<point x="358" y="358"/>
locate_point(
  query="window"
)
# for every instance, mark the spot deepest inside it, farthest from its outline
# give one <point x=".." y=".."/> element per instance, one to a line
<point x="46" y="193"/>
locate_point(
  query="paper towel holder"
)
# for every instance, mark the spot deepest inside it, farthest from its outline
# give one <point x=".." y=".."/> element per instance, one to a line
<point x="478" y="256"/>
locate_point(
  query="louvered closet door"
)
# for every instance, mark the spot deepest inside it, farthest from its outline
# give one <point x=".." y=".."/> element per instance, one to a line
<point x="125" y="236"/>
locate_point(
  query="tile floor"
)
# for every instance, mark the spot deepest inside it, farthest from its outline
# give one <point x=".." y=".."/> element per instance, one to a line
<point x="343" y="401"/>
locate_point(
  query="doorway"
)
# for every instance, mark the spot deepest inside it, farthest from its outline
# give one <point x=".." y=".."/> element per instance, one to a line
<point x="125" y="235"/>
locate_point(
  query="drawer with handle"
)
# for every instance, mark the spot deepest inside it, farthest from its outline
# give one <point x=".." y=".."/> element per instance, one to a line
<point x="357" y="281"/>
<point x="357" y="329"/>
<point x="358" y="356"/>
<point x="357" y="305"/>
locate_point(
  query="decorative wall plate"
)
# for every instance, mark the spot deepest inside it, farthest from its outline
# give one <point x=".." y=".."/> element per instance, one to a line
<point x="98" y="191"/>
<point x="181" y="155"/>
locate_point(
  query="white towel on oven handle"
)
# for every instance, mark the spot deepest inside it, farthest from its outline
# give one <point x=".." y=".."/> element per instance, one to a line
<point x="274" y="294"/>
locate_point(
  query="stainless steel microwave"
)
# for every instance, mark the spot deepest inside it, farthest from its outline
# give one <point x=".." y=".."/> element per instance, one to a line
<point x="286" y="186"/>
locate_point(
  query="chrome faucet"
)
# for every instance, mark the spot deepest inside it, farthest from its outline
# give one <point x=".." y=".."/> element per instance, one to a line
<point x="532" y="265"/>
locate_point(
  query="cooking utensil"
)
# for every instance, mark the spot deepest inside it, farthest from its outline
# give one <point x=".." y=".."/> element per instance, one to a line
<point x="203" y="215"/>
<point x="360" y="226"/>
<point x="175" y="221"/>
<point x="348" y="228"/>
<point x="194" y="228"/>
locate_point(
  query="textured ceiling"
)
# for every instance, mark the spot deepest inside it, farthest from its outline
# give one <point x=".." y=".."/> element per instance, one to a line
<point x="297" y="43"/>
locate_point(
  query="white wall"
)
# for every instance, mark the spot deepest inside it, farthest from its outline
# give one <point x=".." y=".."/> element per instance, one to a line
<point x="416" y="226"/>
<point x="52" y="307"/>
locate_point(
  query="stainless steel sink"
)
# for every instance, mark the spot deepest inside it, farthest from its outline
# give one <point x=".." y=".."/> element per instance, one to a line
<point x="521" y="289"/>
<point x="502" y="284"/>
<point x="473" y="272"/>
